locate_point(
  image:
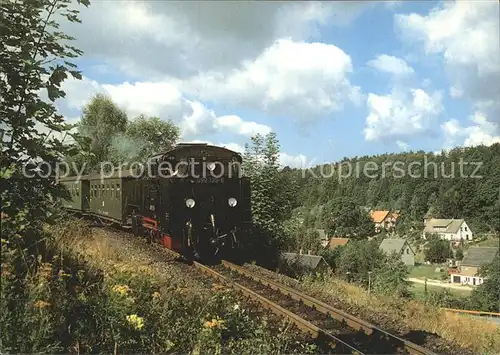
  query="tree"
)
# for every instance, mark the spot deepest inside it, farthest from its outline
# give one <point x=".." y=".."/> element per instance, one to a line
<point x="344" y="219"/>
<point x="357" y="258"/>
<point x="272" y="197"/>
<point x="485" y="297"/>
<point x="390" y="277"/>
<point x="101" y="120"/>
<point x="438" y="250"/>
<point x="35" y="58"/>
<point x="459" y="255"/>
<point x="143" y="137"/>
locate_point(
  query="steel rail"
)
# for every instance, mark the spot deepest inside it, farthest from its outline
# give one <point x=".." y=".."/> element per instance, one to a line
<point x="304" y="325"/>
<point x="350" y="320"/>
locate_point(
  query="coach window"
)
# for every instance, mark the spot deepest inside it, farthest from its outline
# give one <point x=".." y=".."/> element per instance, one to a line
<point x="102" y="190"/>
<point x="117" y="190"/>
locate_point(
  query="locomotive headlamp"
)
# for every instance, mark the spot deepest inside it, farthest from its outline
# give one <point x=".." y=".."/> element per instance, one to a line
<point x="190" y="203"/>
<point x="232" y="201"/>
<point x="211" y="166"/>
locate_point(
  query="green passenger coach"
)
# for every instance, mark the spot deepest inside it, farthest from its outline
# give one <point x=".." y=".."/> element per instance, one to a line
<point x="79" y="194"/>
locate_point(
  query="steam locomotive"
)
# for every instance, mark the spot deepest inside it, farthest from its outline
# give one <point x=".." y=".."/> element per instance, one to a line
<point x="191" y="199"/>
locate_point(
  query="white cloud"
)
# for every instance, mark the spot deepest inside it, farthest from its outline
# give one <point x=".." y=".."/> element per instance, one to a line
<point x="402" y="145"/>
<point x="396" y="115"/>
<point x="390" y="64"/>
<point x="465" y="34"/>
<point x="483" y="132"/>
<point x="163" y="99"/>
<point x="456" y="93"/>
<point x="182" y="38"/>
<point x="293" y="161"/>
<point x="295" y="78"/>
<point x="236" y="124"/>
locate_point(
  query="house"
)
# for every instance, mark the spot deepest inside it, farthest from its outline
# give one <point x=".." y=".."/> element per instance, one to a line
<point x="378" y="217"/>
<point x="428" y="216"/>
<point x="449" y="229"/>
<point x="467" y="272"/>
<point x="323" y="237"/>
<point x="307" y="261"/>
<point x="384" y="219"/>
<point x="336" y="242"/>
<point x="399" y="246"/>
<point x="390" y="220"/>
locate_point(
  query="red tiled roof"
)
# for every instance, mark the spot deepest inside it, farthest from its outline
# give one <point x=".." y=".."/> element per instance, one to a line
<point x="378" y="216"/>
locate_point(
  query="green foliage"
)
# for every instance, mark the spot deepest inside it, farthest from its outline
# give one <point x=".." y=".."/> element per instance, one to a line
<point x="437" y="250"/>
<point x="390" y="278"/>
<point x="66" y="306"/>
<point x="343" y="218"/>
<point x="273" y="193"/>
<point x="101" y="120"/>
<point x="445" y="298"/>
<point x="475" y="199"/>
<point x="459" y="255"/>
<point x="332" y="256"/>
<point x="485" y="297"/>
<point x="357" y="258"/>
<point x="144" y="136"/>
<point x="35" y="59"/>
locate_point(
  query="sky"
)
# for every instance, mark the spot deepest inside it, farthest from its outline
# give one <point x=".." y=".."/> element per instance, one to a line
<point x="332" y="79"/>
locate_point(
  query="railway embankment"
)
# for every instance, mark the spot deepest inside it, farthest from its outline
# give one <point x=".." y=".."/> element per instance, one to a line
<point x="423" y="324"/>
<point x="142" y="300"/>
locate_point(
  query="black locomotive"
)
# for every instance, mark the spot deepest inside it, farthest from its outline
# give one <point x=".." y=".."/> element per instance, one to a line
<point x="192" y="199"/>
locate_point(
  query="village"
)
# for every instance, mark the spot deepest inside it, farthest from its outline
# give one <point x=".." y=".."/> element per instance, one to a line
<point x="459" y="272"/>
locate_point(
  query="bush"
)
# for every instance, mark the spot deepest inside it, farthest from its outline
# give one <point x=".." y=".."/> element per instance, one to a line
<point x="438" y="250"/>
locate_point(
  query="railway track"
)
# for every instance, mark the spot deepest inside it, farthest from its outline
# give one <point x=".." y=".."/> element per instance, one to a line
<point x="331" y="327"/>
<point x="341" y="332"/>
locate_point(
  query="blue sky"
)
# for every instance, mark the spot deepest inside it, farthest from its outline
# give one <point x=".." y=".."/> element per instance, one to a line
<point x="331" y="79"/>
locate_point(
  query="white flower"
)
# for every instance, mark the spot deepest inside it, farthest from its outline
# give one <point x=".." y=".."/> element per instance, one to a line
<point x="236" y="307"/>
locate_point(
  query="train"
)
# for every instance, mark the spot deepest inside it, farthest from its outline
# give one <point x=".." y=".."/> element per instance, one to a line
<point x="192" y="199"/>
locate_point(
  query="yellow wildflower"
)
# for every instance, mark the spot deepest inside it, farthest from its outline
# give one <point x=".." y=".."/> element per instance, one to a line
<point x="214" y="323"/>
<point x="122" y="290"/>
<point x="136" y="321"/>
<point x="41" y="304"/>
<point x="155" y="294"/>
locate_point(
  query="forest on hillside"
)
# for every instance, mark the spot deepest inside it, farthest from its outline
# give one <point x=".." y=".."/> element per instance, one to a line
<point x="461" y="183"/>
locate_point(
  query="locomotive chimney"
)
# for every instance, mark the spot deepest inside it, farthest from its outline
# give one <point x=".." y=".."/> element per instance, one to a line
<point x="309" y="252"/>
<point x="300" y="251"/>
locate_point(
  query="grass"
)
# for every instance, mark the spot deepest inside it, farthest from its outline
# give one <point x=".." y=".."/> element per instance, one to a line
<point x="419" y="291"/>
<point x="92" y="295"/>
<point x="490" y="242"/>
<point x="423" y="271"/>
